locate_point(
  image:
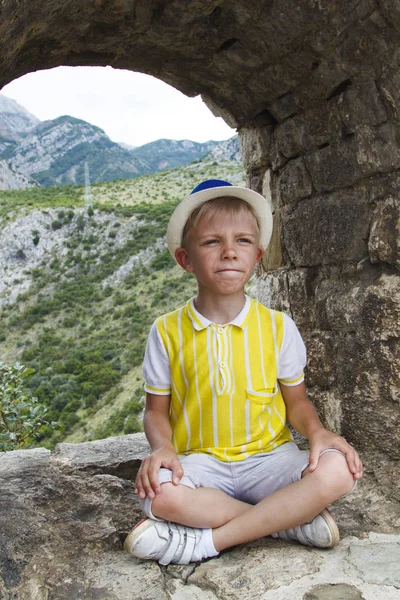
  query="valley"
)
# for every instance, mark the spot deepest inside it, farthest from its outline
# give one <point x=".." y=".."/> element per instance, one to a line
<point x="80" y="287"/>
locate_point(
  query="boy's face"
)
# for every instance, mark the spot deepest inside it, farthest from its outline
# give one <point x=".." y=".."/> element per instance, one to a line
<point x="222" y="252"/>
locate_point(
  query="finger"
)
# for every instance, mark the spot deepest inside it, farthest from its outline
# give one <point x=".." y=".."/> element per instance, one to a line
<point x="139" y="486"/>
<point x="359" y="466"/>
<point x="138" y="481"/>
<point x="148" y="490"/>
<point x="153" y="477"/>
<point x="177" y="471"/>
<point x="351" y="459"/>
<point x="313" y="460"/>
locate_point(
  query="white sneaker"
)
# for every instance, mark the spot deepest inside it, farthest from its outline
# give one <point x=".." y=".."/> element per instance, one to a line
<point x="321" y="532"/>
<point x="165" y="542"/>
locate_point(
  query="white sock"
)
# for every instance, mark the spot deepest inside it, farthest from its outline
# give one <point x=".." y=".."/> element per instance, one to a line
<point x="205" y="548"/>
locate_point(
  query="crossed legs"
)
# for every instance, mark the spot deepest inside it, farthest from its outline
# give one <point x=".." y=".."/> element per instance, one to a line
<point x="235" y="522"/>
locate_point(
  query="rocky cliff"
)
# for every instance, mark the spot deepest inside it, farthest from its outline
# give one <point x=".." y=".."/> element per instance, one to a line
<point x="11" y="179"/>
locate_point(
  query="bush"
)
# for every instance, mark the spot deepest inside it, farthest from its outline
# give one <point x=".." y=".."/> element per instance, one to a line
<point x="21" y="417"/>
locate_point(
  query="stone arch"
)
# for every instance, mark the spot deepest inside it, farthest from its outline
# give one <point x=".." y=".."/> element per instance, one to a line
<point x="313" y="88"/>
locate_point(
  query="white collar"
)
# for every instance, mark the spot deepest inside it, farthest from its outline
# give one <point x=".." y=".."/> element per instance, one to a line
<point x="200" y="322"/>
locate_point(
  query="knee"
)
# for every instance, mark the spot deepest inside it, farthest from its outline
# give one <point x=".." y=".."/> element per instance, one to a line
<point x="168" y="501"/>
<point x="334" y="475"/>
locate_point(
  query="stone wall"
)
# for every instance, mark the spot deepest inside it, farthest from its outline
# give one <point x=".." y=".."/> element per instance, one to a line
<point x="333" y="264"/>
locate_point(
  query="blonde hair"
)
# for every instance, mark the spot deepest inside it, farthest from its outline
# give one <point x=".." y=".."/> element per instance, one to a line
<point x="228" y="204"/>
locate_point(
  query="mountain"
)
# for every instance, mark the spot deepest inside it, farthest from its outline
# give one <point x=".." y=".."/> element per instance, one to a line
<point x="80" y="287"/>
<point x="54" y="152"/>
<point x="227" y="150"/>
<point x="168" y="154"/>
<point x="15" y="121"/>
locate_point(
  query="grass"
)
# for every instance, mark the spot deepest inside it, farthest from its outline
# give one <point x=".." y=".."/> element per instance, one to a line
<point x="82" y="324"/>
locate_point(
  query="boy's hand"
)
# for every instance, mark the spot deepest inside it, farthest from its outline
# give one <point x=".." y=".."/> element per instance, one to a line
<point x="323" y="439"/>
<point x="147" y="477"/>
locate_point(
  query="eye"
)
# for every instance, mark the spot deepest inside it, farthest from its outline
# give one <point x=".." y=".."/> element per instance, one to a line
<point x="245" y="240"/>
<point x="210" y="242"/>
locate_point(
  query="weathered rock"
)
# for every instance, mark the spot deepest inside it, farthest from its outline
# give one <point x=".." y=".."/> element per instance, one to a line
<point x="380" y="564"/>
<point x="255" y="146"/>
<point x="335" y="591"/>
<point x="235" y="572"/>
<point x="294" y="182"/>
<point x="97" y="457"/>
<point x="367" y="370"/>
<point x="329" y="229"/>
<point x="361" y="105"/>
<point x="384" y="240"/>
<point x="63" y="518"/>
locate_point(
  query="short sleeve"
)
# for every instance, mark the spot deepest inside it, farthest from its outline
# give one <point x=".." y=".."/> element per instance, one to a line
<point x="156" y="368"/>
<point x="293" y="355"/>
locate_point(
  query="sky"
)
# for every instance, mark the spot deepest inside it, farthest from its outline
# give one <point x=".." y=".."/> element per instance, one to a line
<point x="130" y="107"/>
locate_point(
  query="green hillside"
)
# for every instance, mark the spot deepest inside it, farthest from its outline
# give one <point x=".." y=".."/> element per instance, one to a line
<point x="91" y="281"/>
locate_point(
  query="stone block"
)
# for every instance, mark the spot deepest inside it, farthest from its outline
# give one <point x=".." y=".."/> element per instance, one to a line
<point x="368" y="385"/>
<point x="120" y="455"/>
<point x="334" y="166"/>
<point x="321" y="363"/>
<point x="283" y="107"/>
<point x="273" y="256"/>
<point x="379" y="317"/>
<point x="310" y="129"/>
<point x="328" y="230"/>
<point x="361" y="105"/>
<point x="391" y="10"/>
<point x="384" y="239"/>
<point x="339" y="304"/>
<point x="254" y="180"/>
<point x="301" y="284"/>
<point x="255" y="146"/>
<point x="290" y="136"/>
<point x="364" y="45"/>
<point x="369" y="151"/>
<point x="378" y="148"/>
<point x="390" y="88"/>
<point x="272" y="290"/>
<point x="327" y="404"/>
<point x="294" y="182"/>
<point x="355" y="306"/>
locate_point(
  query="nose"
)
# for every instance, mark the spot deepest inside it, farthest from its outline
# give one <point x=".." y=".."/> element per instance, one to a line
<point x="229" y="251"/>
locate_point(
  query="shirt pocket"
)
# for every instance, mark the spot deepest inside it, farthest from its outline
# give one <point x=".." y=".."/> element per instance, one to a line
<point x="262" y="396"/>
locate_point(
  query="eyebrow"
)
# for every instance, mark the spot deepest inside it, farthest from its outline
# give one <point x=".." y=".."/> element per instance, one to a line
<point x="241" y="234"/>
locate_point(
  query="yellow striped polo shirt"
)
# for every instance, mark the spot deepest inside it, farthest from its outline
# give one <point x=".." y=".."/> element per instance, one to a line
<point x="223" y="379"/>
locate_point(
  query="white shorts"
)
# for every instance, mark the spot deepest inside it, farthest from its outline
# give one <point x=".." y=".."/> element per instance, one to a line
<point x="250" y="480"/>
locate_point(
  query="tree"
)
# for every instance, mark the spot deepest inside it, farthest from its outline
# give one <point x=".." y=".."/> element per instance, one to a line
<point x="21" y="417"/>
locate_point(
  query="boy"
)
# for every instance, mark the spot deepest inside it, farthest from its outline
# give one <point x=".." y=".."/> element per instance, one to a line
<point x="222" y="375"/>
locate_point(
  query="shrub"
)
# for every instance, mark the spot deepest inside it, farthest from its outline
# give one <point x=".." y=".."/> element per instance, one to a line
<point x="21" y="417"/>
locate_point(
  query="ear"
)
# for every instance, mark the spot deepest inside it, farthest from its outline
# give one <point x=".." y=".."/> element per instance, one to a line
<point x="183" y="260"/>
<point x="260" y="253"/>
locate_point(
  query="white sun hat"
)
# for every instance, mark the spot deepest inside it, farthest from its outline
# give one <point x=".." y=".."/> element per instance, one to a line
<point x="209" y="190"/>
